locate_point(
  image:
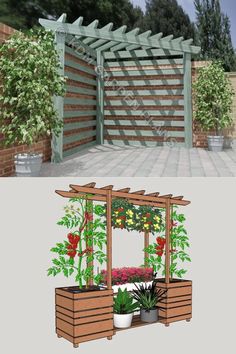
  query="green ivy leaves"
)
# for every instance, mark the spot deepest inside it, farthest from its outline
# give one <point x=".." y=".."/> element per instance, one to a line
<point x="29" y="77"/>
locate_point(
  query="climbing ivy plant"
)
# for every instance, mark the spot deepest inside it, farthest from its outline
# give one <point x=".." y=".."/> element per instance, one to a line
<point x="29" y="78"/>
<point x="179" y="244"/>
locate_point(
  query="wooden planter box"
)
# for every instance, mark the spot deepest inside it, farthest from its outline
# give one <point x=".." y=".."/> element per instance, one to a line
<point x="178" y="304"/>
<point x="84" y="316"/>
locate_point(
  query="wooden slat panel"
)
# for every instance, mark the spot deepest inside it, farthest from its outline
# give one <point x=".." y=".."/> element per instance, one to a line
<point x="81" y="90"/>
<point x="161" y="119"/>
<point x="64" y="302"/>
<point x="144" y="133"/>
<point x="79" y="136"/>
<point x="154" y="72"/>
<point x="79" y="125"/>
<point x="77" y="321"/>
<point x="142" y="82"/>
<point x="144" y="102"/>
<point x="91" y="328"/>
<point x="79" y="78"/>
<point x="78" y="101"/>
<point x="174" y="284"/>
<point x="177" y="311"/>
<point x="177" y="299"/>
<point x="141" y="53"/>
<point x="140" y="138"/>
<point x="65" y="327"/>
<point x="71" y="114"/>
<point x="93" y="303"/>
<point x="141" y="124"/>
<point x="174" y="304"/>
<point x="176" y="319"/>
<point x="187" y="290"/>
<point x="111" y="64"/>
<point x="154" y="113"/>
<point x="141" y="128"/>
<point x="102" y="310"/>
<point x="80" y="67"/>
<point x="76" y="147"/>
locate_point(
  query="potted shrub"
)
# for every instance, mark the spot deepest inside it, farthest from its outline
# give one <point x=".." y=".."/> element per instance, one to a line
<point x="124" y="307"/>
<point x="213" y="103"/>
<point x="82" y="311"/>
<point x="147" y="297"/>
<point x="29" y="77"/>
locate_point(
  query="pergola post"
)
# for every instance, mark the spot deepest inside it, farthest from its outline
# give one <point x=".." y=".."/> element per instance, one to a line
<point x="109" y="240"/>
<point x="100" y="98"/>
<point x="188" y="120"/>
<point x="146" y="244"/>
<point x="57" y="141"/>
<point x="91" y="263"/>
<point x="167" y="247"/>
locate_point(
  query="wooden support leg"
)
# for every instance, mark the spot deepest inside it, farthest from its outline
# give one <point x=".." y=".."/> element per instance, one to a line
<point x="58" y="336"/>
<point x="75" y="345"/>
<point x="188" y="319"/>
<point x="167" y="324"/>
<point x="109" y="337"/>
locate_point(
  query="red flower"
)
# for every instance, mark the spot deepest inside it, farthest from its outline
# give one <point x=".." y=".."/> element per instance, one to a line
<point x="122" y="217"/>
<point x="148" y="215"/>
<point x="120" y="209"/>
<point x="71" y="251"/>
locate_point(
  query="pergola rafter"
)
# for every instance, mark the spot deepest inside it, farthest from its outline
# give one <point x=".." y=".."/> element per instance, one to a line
<point x="105" y="44"/>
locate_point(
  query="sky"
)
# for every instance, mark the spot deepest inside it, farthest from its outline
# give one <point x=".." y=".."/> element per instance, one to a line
<point x="227" y="6"/>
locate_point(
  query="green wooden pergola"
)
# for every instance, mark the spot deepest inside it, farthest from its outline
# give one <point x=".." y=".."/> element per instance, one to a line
<point x="104" y="44"/>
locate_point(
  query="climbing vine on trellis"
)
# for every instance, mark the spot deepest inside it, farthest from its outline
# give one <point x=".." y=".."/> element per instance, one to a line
<point x="179" y="244"/>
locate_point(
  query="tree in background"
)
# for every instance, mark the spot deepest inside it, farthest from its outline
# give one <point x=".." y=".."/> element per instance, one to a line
<point x="213" y="33"/>
<point x="168" y="16"/>
<point x="23" y="14"/>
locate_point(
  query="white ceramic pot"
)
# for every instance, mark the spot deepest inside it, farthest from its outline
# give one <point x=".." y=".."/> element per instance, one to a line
<point x="123" y="320"/>
<point x="28" y="165"/>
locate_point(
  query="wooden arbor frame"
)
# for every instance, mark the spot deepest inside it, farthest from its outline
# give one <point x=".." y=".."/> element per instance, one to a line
<point x="87" y="316"/>
<point x="103" y="44"/>
<point x="107" y="193"/>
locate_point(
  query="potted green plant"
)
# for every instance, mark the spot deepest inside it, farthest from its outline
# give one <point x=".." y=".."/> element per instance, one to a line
<point x="30" y="79"/>
<point x="147" y="297"/>
<point x="213" y="103"/>
<point x="124" y="307"/>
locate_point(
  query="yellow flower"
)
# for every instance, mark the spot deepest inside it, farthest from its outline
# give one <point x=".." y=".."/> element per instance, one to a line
<point x="116" y="212"/>
<point x="130" y="222"/>
<point x="157" y="218"/>
<point x="118" y="221"/>
<point x="129" y="213"/>
<point x="144" y="219"/>
<point x="156" y="226"/>
<point x="146" y="226"/>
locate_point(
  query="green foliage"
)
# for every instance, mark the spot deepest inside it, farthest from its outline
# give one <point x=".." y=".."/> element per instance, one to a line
<point x="147" y="295"/>
<point x="124" y="302"/>
<point x="168" y="16"/>
<point x="213" y="98"/>
<point x="179" y="244"/>
<point x="85" y="243"/>
<point x="29" y="78"/>
<point x="24" y="13"/>
<point x="214" y="37"/>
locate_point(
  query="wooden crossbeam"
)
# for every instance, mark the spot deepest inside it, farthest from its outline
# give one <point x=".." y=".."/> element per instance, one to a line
<point x="108" y="27"/>
<point x="108" y="45"/>
<point x="178" y="197"/>
<point x="79" y="21"/>
<point x="62" y="18"/>
<point x="156" y="194"/>
<point x="141" y="37"/>
<point x="76" y="195"/>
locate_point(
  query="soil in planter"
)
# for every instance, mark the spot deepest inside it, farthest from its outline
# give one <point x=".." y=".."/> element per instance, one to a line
<point x="77" y="290"/>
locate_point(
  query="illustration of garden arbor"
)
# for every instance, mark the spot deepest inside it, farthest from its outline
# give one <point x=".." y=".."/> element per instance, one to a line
<point x="85" y="312"/>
